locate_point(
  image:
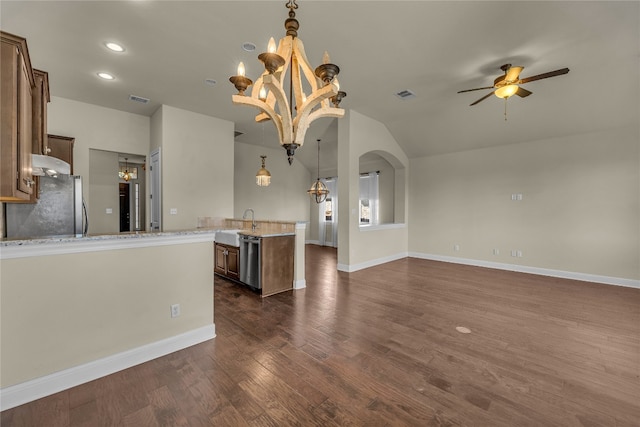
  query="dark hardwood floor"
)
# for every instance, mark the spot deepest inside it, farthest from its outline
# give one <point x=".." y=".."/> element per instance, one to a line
<point x="380" y="347"/>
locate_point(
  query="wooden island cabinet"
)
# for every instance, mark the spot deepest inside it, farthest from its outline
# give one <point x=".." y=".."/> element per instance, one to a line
<point x="276" y="264"/>
<point x="227" y="261"/>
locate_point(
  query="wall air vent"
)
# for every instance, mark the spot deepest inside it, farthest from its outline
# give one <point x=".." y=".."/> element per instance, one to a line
<point x="405" y="94"/>
<point x="138" y="99"/>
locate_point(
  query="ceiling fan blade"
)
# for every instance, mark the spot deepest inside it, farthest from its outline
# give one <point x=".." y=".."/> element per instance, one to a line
<point x="544" y="75"/>
<point x="482" y="99"/>
<point x="513" y="73"/>
<point x="522" y="92"/>
<point x="478" y="88"/>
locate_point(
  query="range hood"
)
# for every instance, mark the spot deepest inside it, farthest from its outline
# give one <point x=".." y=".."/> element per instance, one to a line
<point x="47" y="165"/>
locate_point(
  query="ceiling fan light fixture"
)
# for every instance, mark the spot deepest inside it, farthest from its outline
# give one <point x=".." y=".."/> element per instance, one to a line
<point x="506" y="91"/>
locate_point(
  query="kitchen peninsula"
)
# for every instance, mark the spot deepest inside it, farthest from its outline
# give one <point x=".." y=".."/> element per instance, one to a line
<point x="76" y="309"/>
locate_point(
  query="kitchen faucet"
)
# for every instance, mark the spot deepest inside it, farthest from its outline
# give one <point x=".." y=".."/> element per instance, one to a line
<point x="253" y="221"/>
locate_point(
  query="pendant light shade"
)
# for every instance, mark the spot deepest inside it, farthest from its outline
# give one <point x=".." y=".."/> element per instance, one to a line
<point x="263" y="177"/>
<point x="126" y="176"/>
<point x="318" y="191"/>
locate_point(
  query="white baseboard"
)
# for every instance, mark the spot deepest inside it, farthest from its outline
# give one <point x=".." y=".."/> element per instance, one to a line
<point x="37" y="388"/>
<point x="355" y="267"/>
<point x="607" y="280"/>
<point x="300" y="284"/>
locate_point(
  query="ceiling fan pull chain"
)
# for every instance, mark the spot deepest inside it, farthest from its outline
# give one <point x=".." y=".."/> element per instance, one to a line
<point x="505" y="109"/>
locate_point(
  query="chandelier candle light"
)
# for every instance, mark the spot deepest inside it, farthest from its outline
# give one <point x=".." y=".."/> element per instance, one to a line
<point x="268" y="94"/>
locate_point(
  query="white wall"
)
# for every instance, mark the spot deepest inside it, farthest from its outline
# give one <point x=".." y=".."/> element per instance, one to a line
<point x="104" y="190"/>
<point x="98" y="128"/>
<point x="197" y="166"/>
<point x="358" y="248"/>
<point x="79" y="307"/>
<point x="579" y="210"/>
<point x="285" y="199"/>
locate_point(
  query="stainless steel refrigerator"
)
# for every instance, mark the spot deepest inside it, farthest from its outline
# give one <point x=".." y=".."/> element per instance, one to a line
<point x="59" y="212"/>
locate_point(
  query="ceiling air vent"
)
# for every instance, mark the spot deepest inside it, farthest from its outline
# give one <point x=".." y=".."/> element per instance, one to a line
<point x="138" y="99"/>
<point x="405" y="94"/>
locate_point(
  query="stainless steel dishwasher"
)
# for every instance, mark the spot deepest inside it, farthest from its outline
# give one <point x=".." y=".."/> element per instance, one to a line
<point x="250" y="261"/>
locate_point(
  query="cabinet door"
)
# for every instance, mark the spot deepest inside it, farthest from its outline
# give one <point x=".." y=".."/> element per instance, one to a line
<point x="233" y="262"/>
<point x="25" y="144"/>
<point x="220" y="261"/>
<point x="16" y="183"/>
<point x="40" y="100"/>
<point x="61" y="147"/>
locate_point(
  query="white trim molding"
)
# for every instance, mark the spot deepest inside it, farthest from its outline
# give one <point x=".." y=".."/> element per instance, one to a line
<point x="607" y="280"/>
<point x="37" y="388"/>
<point x="350" y="268"/>
<point x="299" y="284"/>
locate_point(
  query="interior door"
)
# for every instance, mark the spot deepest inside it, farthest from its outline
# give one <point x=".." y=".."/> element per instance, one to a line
<point x="125" y="208"/>
<point x="155" y="189"/>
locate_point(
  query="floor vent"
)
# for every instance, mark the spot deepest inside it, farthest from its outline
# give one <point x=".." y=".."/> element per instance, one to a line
<point x="138" y="99"/>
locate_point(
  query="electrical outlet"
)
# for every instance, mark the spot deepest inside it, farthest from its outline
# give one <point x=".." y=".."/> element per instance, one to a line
<point x="173" y="211"/>
<point x="456" y="248"/>
<point x="175" y="310"/>
<point x="496" y="251"/>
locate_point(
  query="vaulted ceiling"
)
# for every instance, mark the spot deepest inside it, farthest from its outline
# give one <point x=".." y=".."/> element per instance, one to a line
<point x="432" y="48"/>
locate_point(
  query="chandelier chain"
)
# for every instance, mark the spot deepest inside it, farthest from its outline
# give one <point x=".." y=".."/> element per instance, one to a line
<point x="292" y="5"/>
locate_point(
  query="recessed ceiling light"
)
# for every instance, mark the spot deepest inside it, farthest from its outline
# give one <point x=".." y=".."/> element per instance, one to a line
<point x="248" y="46"/>
<point x="114" y="47"/>
<point x="210" y="82"/>
<point x="106" y="76"/>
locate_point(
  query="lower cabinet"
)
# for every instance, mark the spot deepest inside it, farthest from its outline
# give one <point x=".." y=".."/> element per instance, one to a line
<point x="227" y="261"/>
<point x="276" y="264"/>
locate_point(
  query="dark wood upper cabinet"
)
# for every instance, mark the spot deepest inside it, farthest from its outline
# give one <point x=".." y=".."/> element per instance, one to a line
<point x="16" y="106"/>
<point x="61" y="147"/>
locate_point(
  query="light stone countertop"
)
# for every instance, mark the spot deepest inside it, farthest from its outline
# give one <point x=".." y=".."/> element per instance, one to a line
<point x="67" y="245"/>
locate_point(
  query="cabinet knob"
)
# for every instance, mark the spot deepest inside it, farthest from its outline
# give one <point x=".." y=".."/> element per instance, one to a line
<point x="29" y="182"/>
<point x="47" y="150"/>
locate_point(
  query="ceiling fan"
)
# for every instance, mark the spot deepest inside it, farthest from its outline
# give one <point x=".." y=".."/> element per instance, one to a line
<point x="507" y="85"/>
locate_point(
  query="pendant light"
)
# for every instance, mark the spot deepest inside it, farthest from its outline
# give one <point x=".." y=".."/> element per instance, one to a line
<point x="263" y="177"/>
<point x="126" y="175"/>
<point x="318" y="191"/>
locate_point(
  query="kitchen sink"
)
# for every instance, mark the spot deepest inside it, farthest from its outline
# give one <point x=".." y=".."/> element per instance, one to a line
<point x="228" y="237"/>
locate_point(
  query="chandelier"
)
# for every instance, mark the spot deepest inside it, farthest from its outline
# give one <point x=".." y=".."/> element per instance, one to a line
<point x="268" y="94"/>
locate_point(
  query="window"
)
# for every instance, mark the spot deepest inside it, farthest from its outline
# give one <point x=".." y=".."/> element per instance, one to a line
<point x="368" y="198"/>
<point x="328" y="210"/>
